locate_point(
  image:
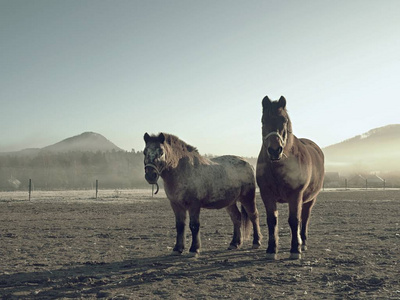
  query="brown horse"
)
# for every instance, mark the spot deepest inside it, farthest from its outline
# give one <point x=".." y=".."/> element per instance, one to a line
<point x="289" y="170"/>
<point x="192" y="181"/>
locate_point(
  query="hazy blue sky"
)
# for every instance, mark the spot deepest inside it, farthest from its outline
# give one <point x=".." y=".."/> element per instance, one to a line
<point x="196" y="69"/>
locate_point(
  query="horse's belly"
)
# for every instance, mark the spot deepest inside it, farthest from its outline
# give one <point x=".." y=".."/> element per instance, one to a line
<point x="216" y="204"/>
<point x="220" y="198"/>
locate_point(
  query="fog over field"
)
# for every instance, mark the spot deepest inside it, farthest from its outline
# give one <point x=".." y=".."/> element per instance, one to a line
<point x="78" y="161"/>
<point x="376" y="150"/>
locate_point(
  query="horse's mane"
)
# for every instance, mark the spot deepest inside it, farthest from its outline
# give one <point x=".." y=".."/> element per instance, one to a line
<point x="176" y="149"/>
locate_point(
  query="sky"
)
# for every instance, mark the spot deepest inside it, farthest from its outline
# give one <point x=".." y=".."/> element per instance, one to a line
<point x="195" y="69"/>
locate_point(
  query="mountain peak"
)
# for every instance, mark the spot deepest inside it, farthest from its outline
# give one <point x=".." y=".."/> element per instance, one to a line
<point x="87" y="141"/>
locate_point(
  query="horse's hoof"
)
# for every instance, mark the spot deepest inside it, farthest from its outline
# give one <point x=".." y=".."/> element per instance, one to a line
<point x="256" y="246"/>
<point x="233" y="247"/>
<point x="176" y="253"/>
<point x="304" y="248"/>
<point x="272" y="256"/>
<point x="194" y="254"/>
<point x="295" y="256"/>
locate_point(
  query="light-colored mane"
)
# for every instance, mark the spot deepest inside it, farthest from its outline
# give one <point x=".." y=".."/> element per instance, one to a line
<point x="176" y="149"/>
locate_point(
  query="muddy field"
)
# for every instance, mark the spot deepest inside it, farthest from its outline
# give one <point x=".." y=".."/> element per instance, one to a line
<point x="70" y="245"/>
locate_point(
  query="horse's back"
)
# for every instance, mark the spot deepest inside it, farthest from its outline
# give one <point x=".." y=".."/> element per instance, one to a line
<point x="315" y="151"/>
<point x="231" y="160"/>
<point x="236" y="169"/>
<point x="317" y="169"/>
<point x="234" y="163"/>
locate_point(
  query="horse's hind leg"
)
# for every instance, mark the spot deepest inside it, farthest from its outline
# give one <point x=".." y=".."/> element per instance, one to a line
<point x="236" y="217"/>
<point x="252" y="213"/>
<point x="305" y="219"/>
<point x="194" y="225"/>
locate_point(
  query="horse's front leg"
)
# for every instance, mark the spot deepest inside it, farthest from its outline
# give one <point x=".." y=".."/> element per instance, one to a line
<point x="194" y="225"/>
<point x="180" y="219"/>
<point x="272" y="223"/>
<point x="295" y="207"/>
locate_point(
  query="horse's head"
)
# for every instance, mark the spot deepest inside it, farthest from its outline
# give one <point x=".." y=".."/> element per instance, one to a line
<point x="154" y="157"/>
<point x="276" y="127"/>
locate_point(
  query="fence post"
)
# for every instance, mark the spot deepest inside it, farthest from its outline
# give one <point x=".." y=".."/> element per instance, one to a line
<point x="97" y="187"/>
<point x="345" y="183"/>
<point x="366" y="184"/>
<point x="30" y="188"/>
<point x="384" y="183"/>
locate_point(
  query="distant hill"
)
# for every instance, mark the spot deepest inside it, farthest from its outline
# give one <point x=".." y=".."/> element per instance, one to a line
<point x="87" y="141"/>
<point x="376" y="150"/>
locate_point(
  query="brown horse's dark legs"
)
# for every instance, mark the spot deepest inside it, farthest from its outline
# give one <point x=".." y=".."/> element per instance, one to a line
<point x="235" y="215"/>
<point x="272" y="223"/>
<point x="305" y="219"/>
<point x="294" y="223"/>
<point x="180" y="218"/>
<point x="194" y="225"/>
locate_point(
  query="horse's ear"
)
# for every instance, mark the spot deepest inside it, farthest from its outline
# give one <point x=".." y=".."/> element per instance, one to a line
<point x="161" y="138"/>
<point x="282" y="102"/>
<point x="146" y="137"/>
<point x="266" y="102"/>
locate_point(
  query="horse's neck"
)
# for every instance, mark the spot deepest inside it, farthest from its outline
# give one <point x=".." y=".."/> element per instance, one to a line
<point x="175" y="174"/>
<point x="290" y="144"/>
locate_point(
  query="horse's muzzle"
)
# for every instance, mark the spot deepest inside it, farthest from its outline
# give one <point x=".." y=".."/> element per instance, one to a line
<point x="151" y="176"/>
<point x="275" y="154"/>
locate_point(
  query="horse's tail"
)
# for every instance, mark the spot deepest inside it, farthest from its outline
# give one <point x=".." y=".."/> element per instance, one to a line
<point x="246" y="224"/>
<point x="248" y="195"/>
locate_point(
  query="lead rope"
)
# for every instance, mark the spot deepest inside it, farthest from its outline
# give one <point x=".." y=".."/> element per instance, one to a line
<point x="152" y="186"/>
<point x="152" y="189"/>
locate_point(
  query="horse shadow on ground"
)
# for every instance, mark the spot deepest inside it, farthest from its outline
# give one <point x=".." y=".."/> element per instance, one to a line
<point x="99" y="279"/>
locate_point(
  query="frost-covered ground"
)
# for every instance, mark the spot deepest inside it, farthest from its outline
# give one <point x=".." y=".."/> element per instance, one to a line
<point x="67" y="244"/>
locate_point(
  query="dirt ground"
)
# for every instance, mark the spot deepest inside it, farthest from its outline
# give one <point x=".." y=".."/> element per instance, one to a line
<point x="70" y="245"/>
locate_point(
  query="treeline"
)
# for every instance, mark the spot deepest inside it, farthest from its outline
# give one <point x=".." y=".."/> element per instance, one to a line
<point x="73" y="170"/>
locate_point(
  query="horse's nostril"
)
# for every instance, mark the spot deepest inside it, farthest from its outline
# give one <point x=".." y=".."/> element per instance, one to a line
<point x="151" y="177"/>
<point x="275" y="153"/>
